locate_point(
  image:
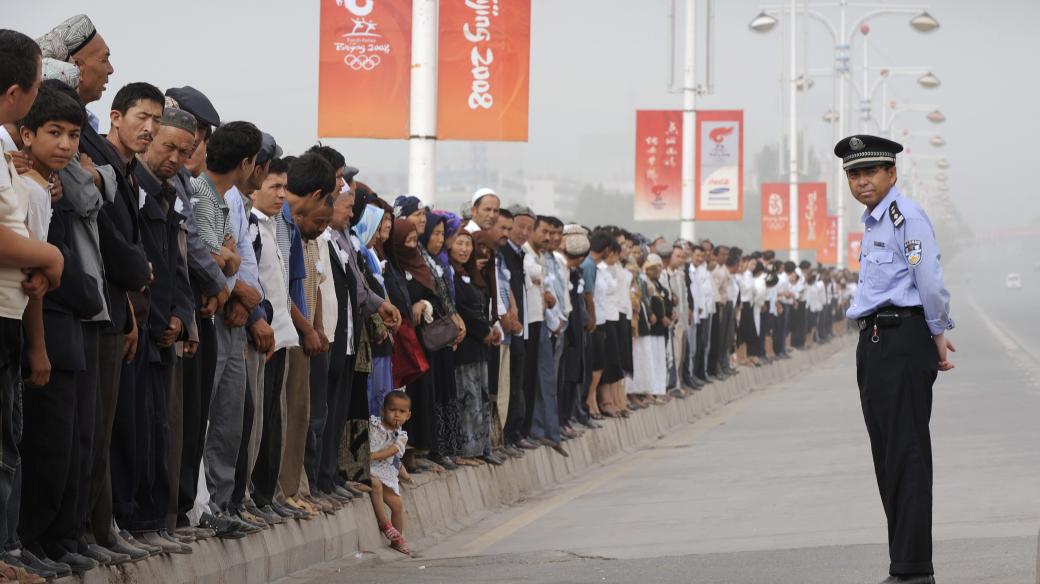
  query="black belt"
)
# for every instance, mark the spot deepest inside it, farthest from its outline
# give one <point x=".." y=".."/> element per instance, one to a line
<point x="891" y="314"/>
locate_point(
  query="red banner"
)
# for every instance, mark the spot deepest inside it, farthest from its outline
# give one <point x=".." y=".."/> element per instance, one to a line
<point x="776" y="216"/>
<point x="828" y="253"/>
<point x="855" y="247"/>
<point x="658" y="192"/>
<point x="364" y="68"/>
<point x="719" y="166"/>
<point x="812" y="214"/>
<point x="483" y="69"/>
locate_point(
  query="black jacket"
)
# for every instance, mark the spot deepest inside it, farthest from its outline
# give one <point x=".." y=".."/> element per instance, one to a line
<point x="170" y="293"/>
<point x="77" y="297"/>
<point x="473" y="306"/>
<point x="515" y="264"/>
<point x="126" y="266"/>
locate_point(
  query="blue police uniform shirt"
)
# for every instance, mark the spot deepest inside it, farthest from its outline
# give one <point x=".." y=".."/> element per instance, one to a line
<point x="899" y="263"/>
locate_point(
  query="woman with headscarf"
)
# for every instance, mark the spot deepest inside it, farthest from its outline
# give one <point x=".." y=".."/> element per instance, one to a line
<point x="471" y="260"/>
<point x="430" y="300"/>
<point x="380" y="380"/>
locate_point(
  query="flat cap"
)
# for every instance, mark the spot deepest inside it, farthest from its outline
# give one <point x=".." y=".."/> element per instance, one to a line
<point x="864" y="151"/>
<point x="269" y="149"/>
<point x="195" y="103"/>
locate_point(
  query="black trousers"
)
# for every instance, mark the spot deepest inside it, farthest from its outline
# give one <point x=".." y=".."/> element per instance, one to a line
<point x="344" y="401"/>
<point x="701" y="353"/>
<point x="197" y="390"/>
<point x="715" y="340"/>
<point x="728" y="334"/>
<point x="50" y="464"/>
<point x="110" y="368"/>
<point x="895" y="378"/>
<point x="319" y="416"/>
<point x="269" y="458"/>
<point x="534" y="336"/>
<point x="512" y="431"/>
<point x="799" y="324"/>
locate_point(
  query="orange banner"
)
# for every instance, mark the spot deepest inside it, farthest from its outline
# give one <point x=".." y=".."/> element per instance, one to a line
<point x="719" y="165"/>
<point x="812" y="214"/>
<point x="855" y="247"/>
<point x="483" y="69"/>
<point x="776" y="216"/>
<point x="658" y="192"/>
<point x="828" y="253"/>
<point x="364" y="70"/>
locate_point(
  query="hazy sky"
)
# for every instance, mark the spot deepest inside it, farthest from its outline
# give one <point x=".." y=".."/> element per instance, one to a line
<point x="594" y="62"/>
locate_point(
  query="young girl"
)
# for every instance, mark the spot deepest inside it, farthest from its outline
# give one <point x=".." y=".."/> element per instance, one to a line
<point x="388" y="442"/>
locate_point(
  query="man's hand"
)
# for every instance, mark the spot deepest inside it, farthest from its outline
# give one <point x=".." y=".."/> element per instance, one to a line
<point x="311" y="342"/>
<point x="943" y="345"/>
<point x="390" y="315"/>
<point x="130" y="342"/>
<point x="39" y="367"/>
<point x="88" y="165"/>
<point x="56" y="189"/>
<point x="54" y="267"/>
<point x="190" y="348"/>
<point x="590" y="327"/>
<point x="35" y="283"/>
<point x="324" y="340"/>
<point x="210" y="306"/>
<point x="21" y="160"/>
<point x="222" y="298"/>
<point x="263" y="337"/>
<point x="246" y="294"/>
<point x="550" y="300"/>
<point x="172" y="332"/>
<point x="235" y="314"/>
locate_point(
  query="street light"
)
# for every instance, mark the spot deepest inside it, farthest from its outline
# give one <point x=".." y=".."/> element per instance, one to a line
<point x="942" y="163"/>
<point x="936" y="116"/>
<point x="831" y="116"/>
<point x="804" y="83"/>
<point x="762" y="23"/>
<point x="929" y="81"/>
<point x="937" y="141"/>
<point x="924" y="22"/>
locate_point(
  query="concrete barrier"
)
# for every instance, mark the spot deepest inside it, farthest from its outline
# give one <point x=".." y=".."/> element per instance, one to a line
<point x="439" y="504"/>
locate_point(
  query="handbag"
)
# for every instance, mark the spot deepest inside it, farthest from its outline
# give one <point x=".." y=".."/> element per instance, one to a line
<point x="408" y="361"/>
<point x="439" y="334"/>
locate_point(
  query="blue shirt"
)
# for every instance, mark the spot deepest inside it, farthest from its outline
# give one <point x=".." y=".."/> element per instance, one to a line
<point x="899" y="263"/>
<point x="297" y="266"/>
<point x="238" y="222"/>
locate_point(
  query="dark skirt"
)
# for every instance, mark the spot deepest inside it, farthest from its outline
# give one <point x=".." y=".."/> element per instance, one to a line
<point x="597" y="348"/>
<point x="612" y="371"/>
<point x="746" y="334"/>
<point x="429" y="393"/>
<point x="624" y="335"/>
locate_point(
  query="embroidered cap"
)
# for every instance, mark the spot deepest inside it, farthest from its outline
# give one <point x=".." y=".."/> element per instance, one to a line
<point x="865" y="151"/>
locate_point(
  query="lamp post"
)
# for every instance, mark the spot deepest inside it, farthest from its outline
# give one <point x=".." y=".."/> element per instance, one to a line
<point x="842" y="36"/>
<point x="688" y="205"/>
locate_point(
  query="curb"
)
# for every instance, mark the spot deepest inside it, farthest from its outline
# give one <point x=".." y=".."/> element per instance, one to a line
<point x="441" y="504"/>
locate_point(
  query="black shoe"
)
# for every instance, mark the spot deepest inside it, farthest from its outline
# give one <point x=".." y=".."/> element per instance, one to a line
<point x="527" y="444"/>
<point x="123" y="548"/>
<point x="226" y="527"/>
<point x="558" y="448"/>
<point x="77" y="563"/>
<point x="271" y="518"/>
<point x="97" y="553"/>
<point x="492" y="459"/>
<point x="18" y="561"/>
<point x="288" y="512"/>
<point x="43" y="563"/>
<point x="915" y="579"/>
<point x="151" y="549"/>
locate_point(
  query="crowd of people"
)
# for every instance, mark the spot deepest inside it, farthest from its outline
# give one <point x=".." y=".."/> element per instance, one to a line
<point x="204" y="337"/>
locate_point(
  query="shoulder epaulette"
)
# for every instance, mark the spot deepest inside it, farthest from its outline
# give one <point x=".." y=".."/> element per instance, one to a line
<point x="895" y="215"/>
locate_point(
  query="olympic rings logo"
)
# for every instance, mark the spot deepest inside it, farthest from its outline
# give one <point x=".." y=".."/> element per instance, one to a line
<point x="359" y="62"/>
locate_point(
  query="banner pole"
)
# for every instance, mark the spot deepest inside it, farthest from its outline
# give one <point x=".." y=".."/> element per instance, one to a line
<point x="792" y="177"/>
<point x="688" y="208"/>
<point x="422" y="140"/>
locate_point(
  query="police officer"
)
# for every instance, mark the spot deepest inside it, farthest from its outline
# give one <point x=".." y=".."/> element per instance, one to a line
<point x="902" y="309"/>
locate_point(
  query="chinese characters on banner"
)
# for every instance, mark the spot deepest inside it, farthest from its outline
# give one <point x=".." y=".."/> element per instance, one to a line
<point x="364" y="69"/>
<point x="776" y="216"/>
<point x="828" y="253"/>
<point x="483" y="69"/>
<point x="719" y="166"/>
<point x="812" y="213"/>
<point x="855" y="246"/>
<point x="658" y="165"/>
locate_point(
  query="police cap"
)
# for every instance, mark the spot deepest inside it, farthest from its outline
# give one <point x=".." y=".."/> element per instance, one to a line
<point x="864" y="151"/>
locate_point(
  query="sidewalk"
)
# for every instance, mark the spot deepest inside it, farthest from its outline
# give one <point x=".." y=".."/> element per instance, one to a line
<point x="442" y="504"/>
